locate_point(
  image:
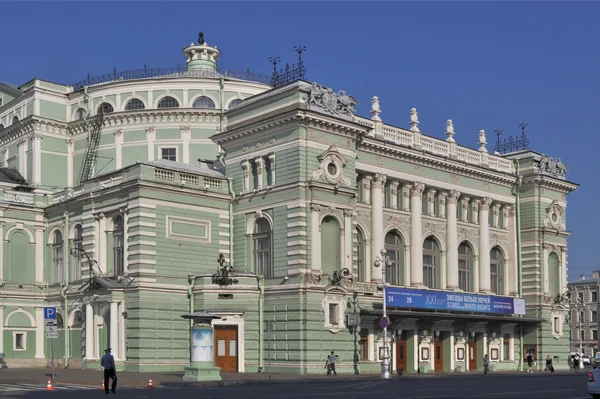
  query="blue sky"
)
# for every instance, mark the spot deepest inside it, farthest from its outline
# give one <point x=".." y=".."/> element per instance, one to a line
<point x="485" y="65"/>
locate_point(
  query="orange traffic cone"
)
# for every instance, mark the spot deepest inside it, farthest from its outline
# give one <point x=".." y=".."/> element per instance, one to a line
<point x="150" y="383"/>
<point x="49" y="385"/>
<point x="102" y="384"/>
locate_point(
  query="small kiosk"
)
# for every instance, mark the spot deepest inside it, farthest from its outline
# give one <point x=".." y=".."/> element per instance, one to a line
<point x="202" y="364"/>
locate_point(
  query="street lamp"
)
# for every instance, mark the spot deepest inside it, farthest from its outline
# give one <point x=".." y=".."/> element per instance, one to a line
<point x="385" y="359"/>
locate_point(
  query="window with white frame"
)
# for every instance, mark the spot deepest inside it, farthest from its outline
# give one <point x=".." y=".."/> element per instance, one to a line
<point x="333" y="306"/>
<point x="235" y="103"/>
<point x="80" y="113"/>
<point x="19" y="341"/>
<point x="465" y="261"/>
<point x="78" y="245"/>
<point x="58" y="265"/>
<point x="262" y="248"/>
<point x="430" y="249"/>
<point x="170" y="154"/>
<point x="394" y="246"/>
<point x="133" y="104"/>
<point x="105" y="108"/>
<point x="15" y="119"/>
<point x="168" y="102"/>
<point x="205" y="102"/>
<point x="496" y="264"/>
<point x="118" y="246"/>
<point x="556" y="325"/>
<point x="334" y="317"/>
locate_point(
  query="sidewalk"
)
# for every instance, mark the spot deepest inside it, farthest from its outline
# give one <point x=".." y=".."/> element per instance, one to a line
<point x="131" y="379"/>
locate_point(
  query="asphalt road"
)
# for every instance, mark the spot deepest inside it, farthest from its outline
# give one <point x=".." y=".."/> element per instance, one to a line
<point x="450" y="387"/>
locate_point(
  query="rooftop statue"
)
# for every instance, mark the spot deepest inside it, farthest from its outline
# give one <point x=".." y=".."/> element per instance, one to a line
<point x="324" y="97"/>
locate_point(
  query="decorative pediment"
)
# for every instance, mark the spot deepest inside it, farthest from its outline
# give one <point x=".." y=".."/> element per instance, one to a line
<point x="331" y="168"/>
<point x="555" y="214"/>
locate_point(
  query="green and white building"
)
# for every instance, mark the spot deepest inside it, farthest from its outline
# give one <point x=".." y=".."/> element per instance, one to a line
<point x="118" y="195"/>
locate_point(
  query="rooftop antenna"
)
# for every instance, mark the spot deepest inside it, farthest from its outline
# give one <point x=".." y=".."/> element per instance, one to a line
<point x="498" y="133"/>
<point x="301" y="70"/>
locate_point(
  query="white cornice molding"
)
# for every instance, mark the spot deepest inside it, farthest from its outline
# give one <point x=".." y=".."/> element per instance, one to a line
<point x="29" y="125"/>
<point x="551" y="183"/>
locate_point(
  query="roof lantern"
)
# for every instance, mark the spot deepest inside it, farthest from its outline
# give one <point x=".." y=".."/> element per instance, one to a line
<point x="201" y="55"/>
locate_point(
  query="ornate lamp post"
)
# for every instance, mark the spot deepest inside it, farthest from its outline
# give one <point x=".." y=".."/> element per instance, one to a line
<point x="385" y="358"/>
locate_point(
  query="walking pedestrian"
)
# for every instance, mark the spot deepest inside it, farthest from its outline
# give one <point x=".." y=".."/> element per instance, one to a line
<point x="486" y="364"/>
<point x="110" y="370"/>
<point x="549" y="366"/>
<point x="530" y="361"/>
<point x="576" y="361"/>
<point x="330" y="364"/>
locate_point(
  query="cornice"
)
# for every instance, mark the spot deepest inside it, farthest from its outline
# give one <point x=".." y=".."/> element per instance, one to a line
<point x="244" y="131"/>
<point x="439" y="163"/>
<point x="551" y="183"/>
<point x="29" y="125"/>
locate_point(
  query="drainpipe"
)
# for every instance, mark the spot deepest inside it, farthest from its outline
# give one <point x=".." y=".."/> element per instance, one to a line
<point x="221" y="104"/>
<point x="517" y="193"/>
<point x="65" y="287"/>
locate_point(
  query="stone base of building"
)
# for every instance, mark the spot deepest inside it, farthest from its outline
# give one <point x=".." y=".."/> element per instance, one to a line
<point x="156" y="367"/>
<point x="197" y="371"/>
<point x="13" y="363"/>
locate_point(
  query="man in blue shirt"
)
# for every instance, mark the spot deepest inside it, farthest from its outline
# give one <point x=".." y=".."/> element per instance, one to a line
<point x="110" y="371"/>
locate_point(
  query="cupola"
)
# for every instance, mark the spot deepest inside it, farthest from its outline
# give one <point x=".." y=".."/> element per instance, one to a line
<point x="201" y="55"/>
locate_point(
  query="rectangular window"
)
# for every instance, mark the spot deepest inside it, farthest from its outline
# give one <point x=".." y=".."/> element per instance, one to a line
<point x="19" y="341"/>
<point x="429" y="270"/>
<point x="170" y="154"/>
<point x="582" y="335"/>
<point x="556" y="325"/>
<point x="463" y="274"/>
<point x="595" y="335"/>
<point x="580" y="297"/>
<point x="363" y="348"/>
<point x="594" y="316"/>
<point x="333" y="314"/>
<point x="506" y="347"/>
<point x="494" y="278"/>
<point x="582" y="317"/>
<point x="594" y="296"/>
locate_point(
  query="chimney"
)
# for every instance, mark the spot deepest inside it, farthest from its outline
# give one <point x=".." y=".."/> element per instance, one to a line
<point x="596" y="274"/>
<point x="582" y="276"/>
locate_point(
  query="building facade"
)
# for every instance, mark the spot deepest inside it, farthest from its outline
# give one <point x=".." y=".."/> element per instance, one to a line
<point x="584" y="313"/>
<point x="122" y="196"/>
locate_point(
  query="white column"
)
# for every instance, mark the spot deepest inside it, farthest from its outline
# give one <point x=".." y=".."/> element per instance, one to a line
<point x="22" y="149"/>
<point x="272" y="168"/>
<point x="367" y="257"/>
<point x="407" y="265"/>
<point x="114" y="329"/>
<point x="1" y="257"/>
<point x="348" y="229"/>
<point x="377" y="186"/>
<point x="416" y="252"/>
<point x="125" y="214"/>
<point x="366" y="187"/>
<point x="316" y="236"/>
<point x="431" y="202"/>
<point x="246" y="173"/>
<point x="40" y="335"/>
<point x="118" y="148"/>
<point x="258" y="161"/>
<point x="150" y="137"/>
<point x="39" y="254"/>
<point x="514" y="285"/>
<point x="475" y="273"/>
<point x="452" y="244"/>
<point x="416" y="348"/>
<point x="496" y="215"/>
<point x="546" y="283"/>
<point x="563" y="269"/>
<point x="5" y="153"/>
<point x="443" y="271"/>
<point x="484" y="245"/>
<point x="394" y="194"/>
<point x="2" y="331"/>
<point x="186" y="135"/>
<point x="36" y="147"/>
<point x="69" y="162"/>
<point x="120" y="311"/>
<point x="89" y="331"/>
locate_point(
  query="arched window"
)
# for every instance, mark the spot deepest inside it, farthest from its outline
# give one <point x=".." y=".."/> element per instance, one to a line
<point x="262" y="248"/>
<point x="58" y="269"/>
<point x="496" y="270"/>
<point x="118" y="246"/>
<point x="77" y="320"/>
<point x="80" y="113"/>
<point x="204" y="102"/>
<point x="360" y="255"/>
<point x="15" y="119"/>
<point x="465" y="266"/>
<point x="430" y="262"/>
<point x="330" y="245"/>
<point x="60" y="323"/>
<point x="168" y="102"/>
<point x="78" y="245"/>
<point x="395" y="251"/>
<point x="105" y="108"/>
<point x="233" y="104"/>
<point x="133" y="104"/>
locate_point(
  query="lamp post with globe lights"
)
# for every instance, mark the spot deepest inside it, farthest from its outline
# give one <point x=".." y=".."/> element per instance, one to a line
<point x="385" y="358"/>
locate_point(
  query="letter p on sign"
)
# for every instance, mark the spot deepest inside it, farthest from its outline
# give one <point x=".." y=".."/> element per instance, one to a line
<point x="49" y="313"/>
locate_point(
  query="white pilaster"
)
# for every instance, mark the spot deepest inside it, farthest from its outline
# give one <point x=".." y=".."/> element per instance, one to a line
<point x="36" y="147"/>
<point x="431" y="202"/>
<point x="366" y="187"/>
<point x="406" y="197"/>
<point x="5" y="153"/>
<point x="2" y="330"/>
<point x="475" y="273"/>
<point x="22" y="149"/>
<point x="186" y="135"/>
<point x="69" y="163"/>
<point x="150" y="137"/>
<point x="118" y="148"/>
<point x="452" y="244"/>
<point x="407" y="264"/>
<point x="475" y="211"/>
<point x="377" y="186"/>
<point x="246" y="171"/>
<point x="443" y="271"/>
<point x="316" y="236"/>
<point x="121" y="310"/>
<point x="394" y="194"/>
<point x="348" y="229"/>
<point x="101" y="238"/>
<point x="125" y="214"/>
<point x="514" y="275"/>
<point x="545" y="253"/>
<point x="89" y="331"/>
<point x="1" y="258"/>
<point x="416" y="252"/>
<point x="563" y="269"/>
<point x="465" y="209"/>
<point x="443" y="198"/>
<point x="496" y="215"/>
<point x="484" y="245"/>
<point x="114" y="329"/>
<point x="259" y="162"/>
<point x="39" y="254"/>
<point x="272" y="164"/>
<point x="40" y="335"/>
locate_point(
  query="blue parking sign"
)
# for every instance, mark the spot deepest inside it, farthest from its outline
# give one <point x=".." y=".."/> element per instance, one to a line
<point x="49" y="313"/>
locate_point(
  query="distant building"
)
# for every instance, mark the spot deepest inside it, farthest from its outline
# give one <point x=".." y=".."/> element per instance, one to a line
<point x="585" y="307"/>
<point x="107" y="213"/>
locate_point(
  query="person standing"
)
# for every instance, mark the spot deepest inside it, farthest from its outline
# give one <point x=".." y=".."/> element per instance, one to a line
<point x="330" y="364"/>
<point x="486" y="364"/>
<point x="576" y="360"/>
<point x="110" y="370"/>
<point x="549" y="366"/>
<point x="530" y="361"/>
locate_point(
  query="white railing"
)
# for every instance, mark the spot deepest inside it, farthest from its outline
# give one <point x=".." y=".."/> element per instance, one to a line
<point x="18" y="198"/>
<point x="214" y="183"/>
<point x="164" y="174"/>
<point x="439" y="147"/>
<point x="185" y="178"/>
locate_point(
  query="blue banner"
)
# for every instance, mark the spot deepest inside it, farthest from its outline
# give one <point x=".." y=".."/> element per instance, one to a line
<point x="456" y="301"/>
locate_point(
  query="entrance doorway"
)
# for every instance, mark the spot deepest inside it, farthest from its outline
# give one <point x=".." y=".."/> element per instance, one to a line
<point x="472" y="348"/>
<point x="226" y="356"/>
<point x="438" y="356"/>
<point x="401" y="355"/>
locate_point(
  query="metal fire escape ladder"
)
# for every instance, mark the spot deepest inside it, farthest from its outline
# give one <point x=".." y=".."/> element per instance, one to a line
<point x="95" y="128"/>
